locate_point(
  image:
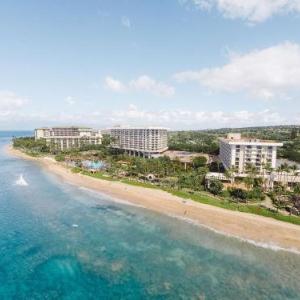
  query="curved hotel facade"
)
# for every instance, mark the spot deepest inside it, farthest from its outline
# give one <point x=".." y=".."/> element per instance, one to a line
<point x="146" y="142"/>
<point x="64" y="138"/>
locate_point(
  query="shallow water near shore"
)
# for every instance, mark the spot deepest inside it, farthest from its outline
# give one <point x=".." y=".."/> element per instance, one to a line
<point x="58" y="241"/>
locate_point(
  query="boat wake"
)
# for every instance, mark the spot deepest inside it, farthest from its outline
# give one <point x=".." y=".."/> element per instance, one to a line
<point x="21" y="181"/>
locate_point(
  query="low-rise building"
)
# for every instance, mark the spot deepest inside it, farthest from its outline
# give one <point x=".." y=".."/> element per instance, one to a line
<point x="239" y="152"/>
<point x="64" y="138"/>
<point x="146" y="142"/>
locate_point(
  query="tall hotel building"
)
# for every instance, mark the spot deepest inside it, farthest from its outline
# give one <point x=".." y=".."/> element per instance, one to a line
<point x="63" y="138"/>
<point x="146" y="142"/>
<point x="239" y="152"/>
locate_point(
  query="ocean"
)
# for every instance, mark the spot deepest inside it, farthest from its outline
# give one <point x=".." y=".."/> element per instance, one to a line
<point x="59" y="241"/>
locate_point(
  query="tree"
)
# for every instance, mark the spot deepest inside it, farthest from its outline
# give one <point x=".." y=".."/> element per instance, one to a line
<point x="268" y="167"/>
<point x="256" y="194"/>
<point x="238" y="194"/>
<point x="297" y="189"/>
<point x="280" y="202"/>
<point x="294" y="169"/>
<point x="294" y="133"/>
<point x="283" y="168"/>
<point x="279" y="190"/>
<point x="295" y="199"/>
<point x="202" y="171"/>
<point x="216" y="166"/>
<point x="249" y="182"/>
<point x="258" y="182"/>
<point x="215" y="186"/>
<point x="199" y="161"/>
<point x="191" y="181"/>
<point x="31" y="145"/>
<point x="60" y="157"/>
<point x="252" y="172"/>
<point x="107" y="140"/>
<point x="230" y="173"/>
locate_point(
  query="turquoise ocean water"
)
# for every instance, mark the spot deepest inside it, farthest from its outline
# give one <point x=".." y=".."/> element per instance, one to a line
<point x="58" y="241"/>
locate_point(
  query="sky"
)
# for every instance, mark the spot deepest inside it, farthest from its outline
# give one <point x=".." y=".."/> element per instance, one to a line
<point x="181" y="64"/>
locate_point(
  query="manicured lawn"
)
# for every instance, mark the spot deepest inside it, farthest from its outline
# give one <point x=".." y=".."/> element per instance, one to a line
<point x="99" y="176"/>
<point x="205" y="198"/>
<point x="223" y="203"/>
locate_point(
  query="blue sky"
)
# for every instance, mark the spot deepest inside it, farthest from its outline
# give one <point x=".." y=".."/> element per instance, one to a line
<point x="183" y="64"/>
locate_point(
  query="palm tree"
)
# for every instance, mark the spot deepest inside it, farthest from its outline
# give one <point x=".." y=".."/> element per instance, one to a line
<point x="252" y="172"/>
<point x="230" y="173"/>
<point x="294" y="169"/>
<point x="249" y="182"/>
<point x="251" y="169"/>
<point x="268" y="168"/>
<point x="282" y="169"/>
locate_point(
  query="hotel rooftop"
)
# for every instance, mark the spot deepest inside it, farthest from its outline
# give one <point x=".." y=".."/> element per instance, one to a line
<point x="237" y="139"/>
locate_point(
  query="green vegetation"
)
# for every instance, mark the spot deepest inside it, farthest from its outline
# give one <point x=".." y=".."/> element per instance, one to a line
<point x="60" y="157"/>
<point x="206" y="141"/>
<point x="256" y="194"/>
<point x="194" y="141"/>
<point x="291" y="150"/>
<point x="225" y="203"/>
<point x="215" y="187"/>
<point x="205" y="198"/>
<point x="180" y="179"/>
<point x="30" y="146"/>
<point x="76" y="170"/>
<point x="199" y="162"/>
<point x="238" y="194"/>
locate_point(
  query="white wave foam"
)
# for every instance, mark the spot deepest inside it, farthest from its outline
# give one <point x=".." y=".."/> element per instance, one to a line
<point x="21" y="181"/>
<point x="270" y="246"/>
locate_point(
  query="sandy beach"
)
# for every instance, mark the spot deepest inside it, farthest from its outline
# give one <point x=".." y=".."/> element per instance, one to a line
<point x="263" y="231"/>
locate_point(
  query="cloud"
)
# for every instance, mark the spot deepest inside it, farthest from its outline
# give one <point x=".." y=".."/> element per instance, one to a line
<point x="125" y="21"/>
<point x="142" y="83"/>
<point x="145" y="83"/>
<point x="70" y="100"/>
<point x="252" y="11"/>
<point x="10" y="101"/>
<point x="21" y="119"/>
<point x="266" y="74"/>
<point x="181" y="118"/>
<point x="114" y="84"/>
<point x="175" y="119"/>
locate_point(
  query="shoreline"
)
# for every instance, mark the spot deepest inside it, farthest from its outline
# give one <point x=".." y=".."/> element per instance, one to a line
<point x="258" y="230"/>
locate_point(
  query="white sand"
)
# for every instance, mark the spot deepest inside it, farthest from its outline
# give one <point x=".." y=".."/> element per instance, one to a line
<point x="257" y="229"/>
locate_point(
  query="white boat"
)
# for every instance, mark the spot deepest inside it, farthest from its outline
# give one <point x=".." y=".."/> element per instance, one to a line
<point x="21" y="181"/>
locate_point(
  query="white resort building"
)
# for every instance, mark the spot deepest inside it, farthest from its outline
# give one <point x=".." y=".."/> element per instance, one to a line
<point x="238" y="152"/>
<point x="146" y="142"/>
<point x="63" y="138"/>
